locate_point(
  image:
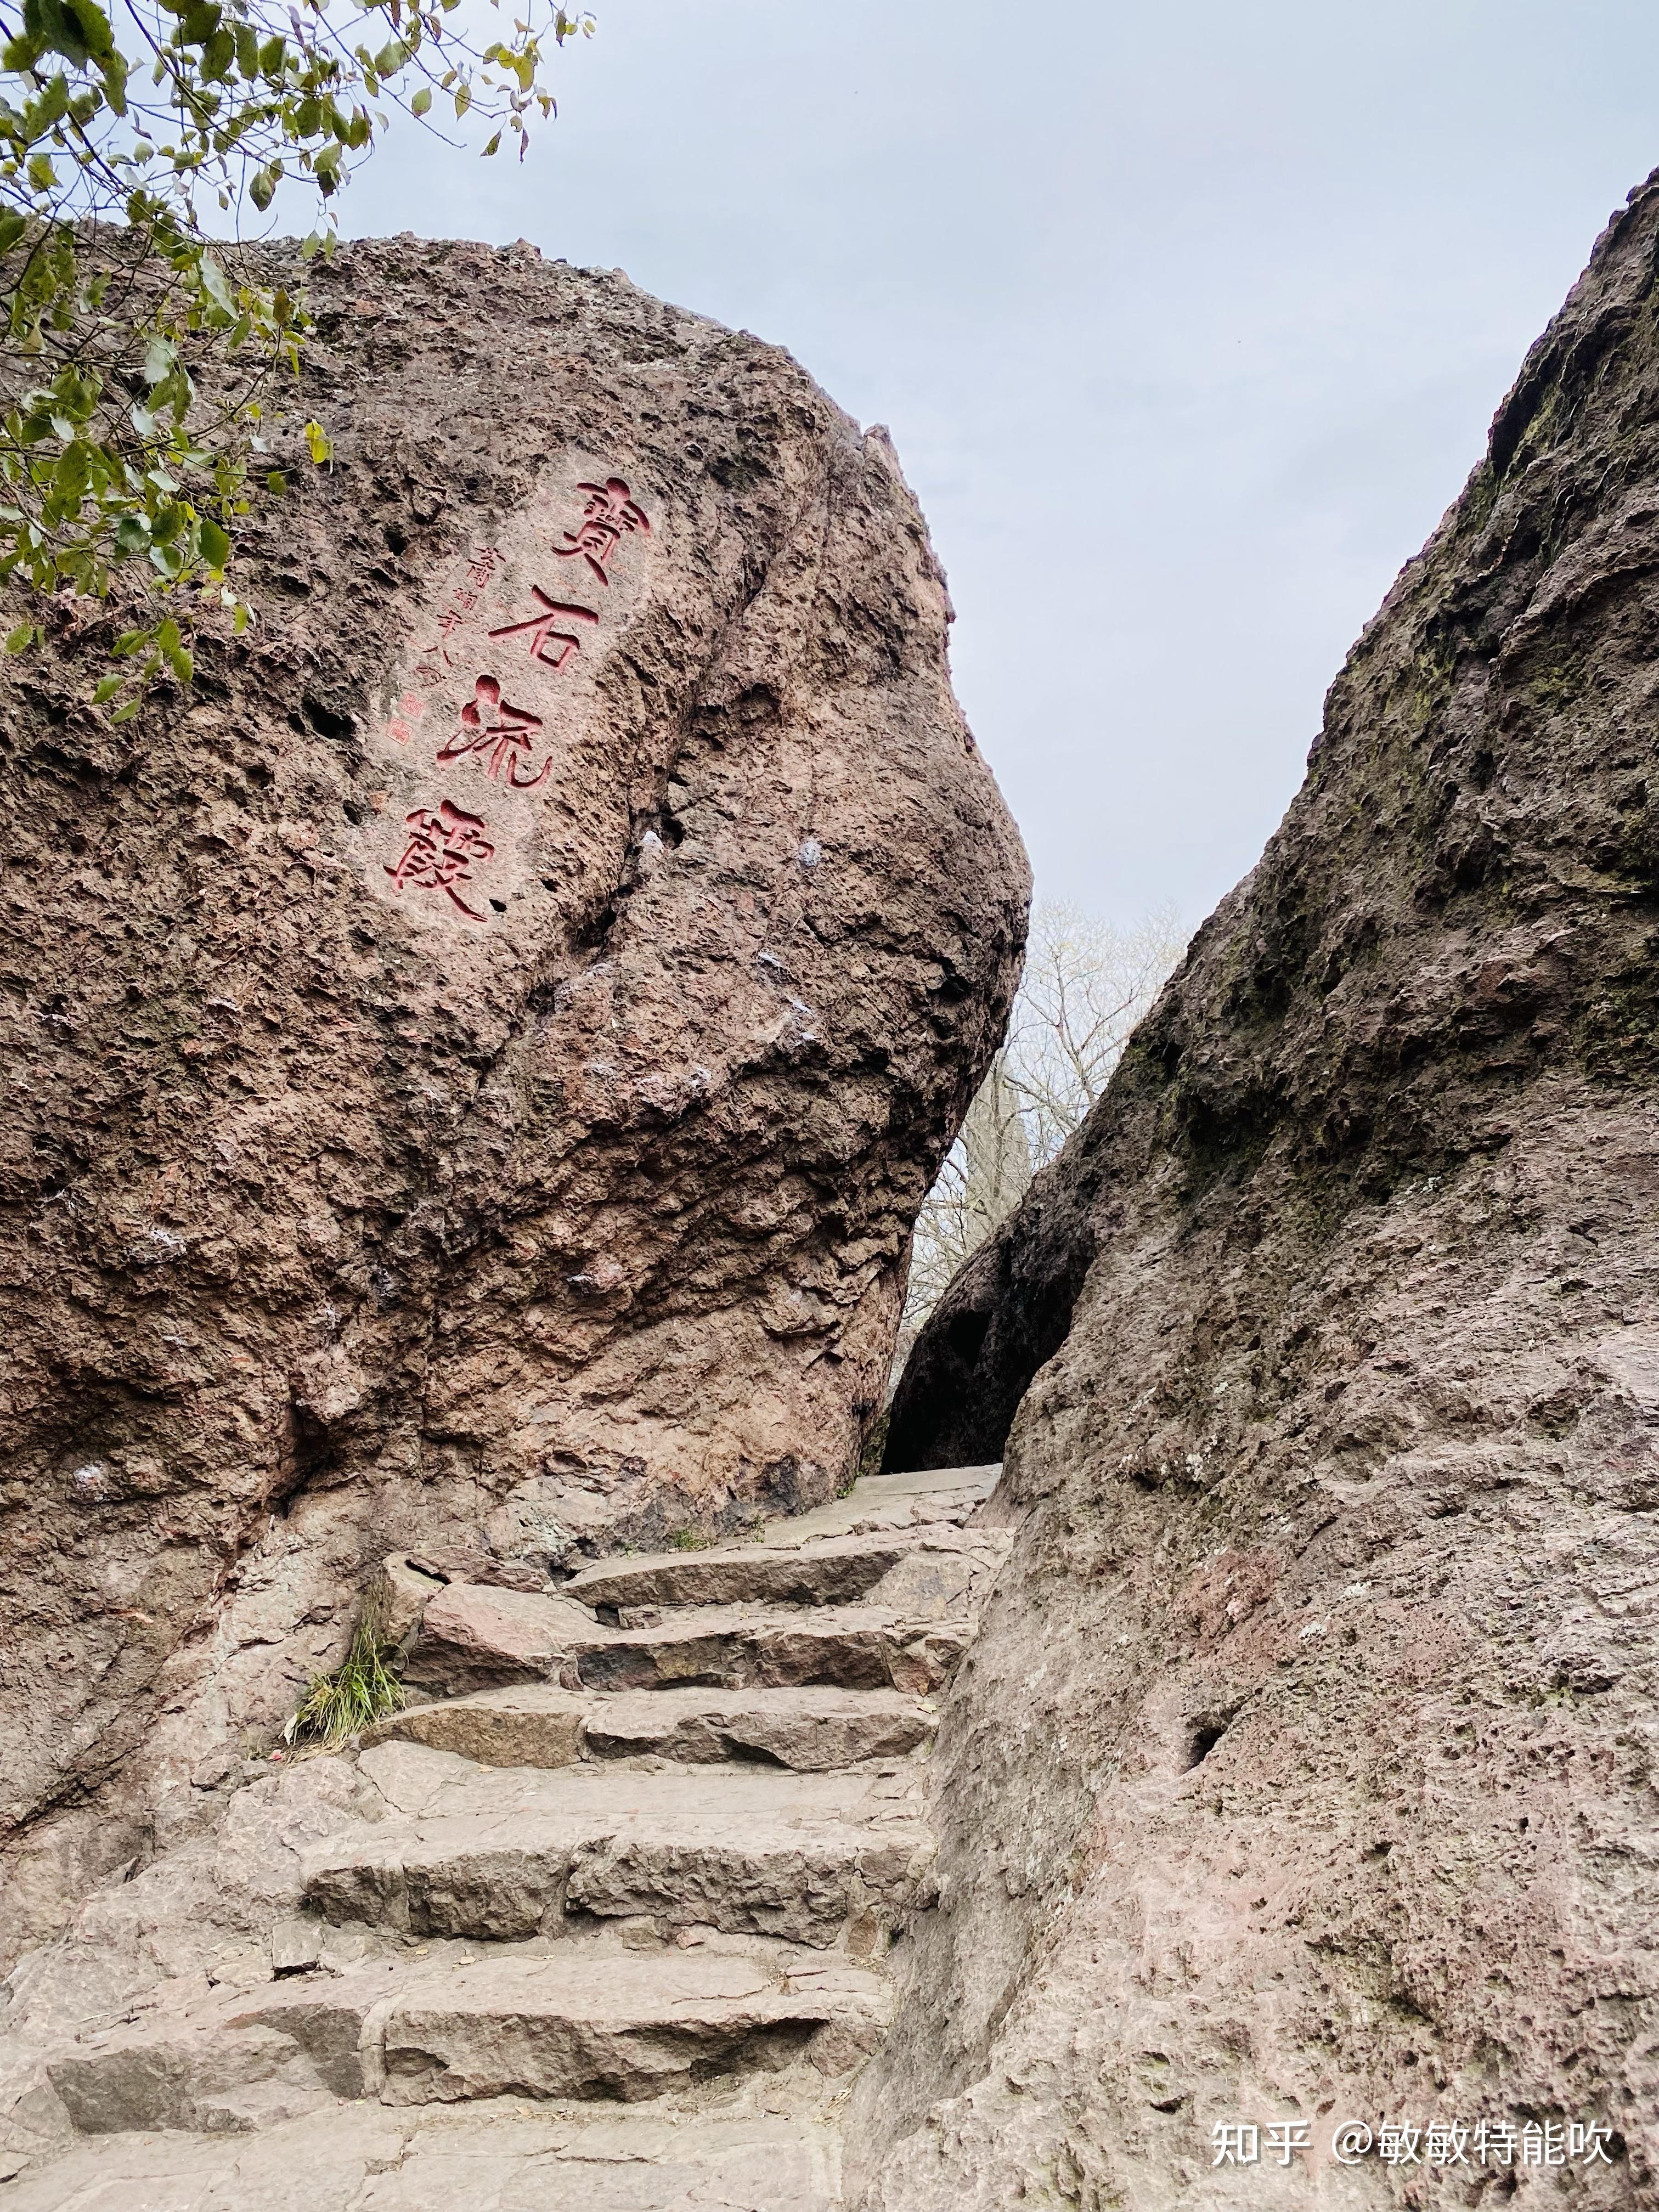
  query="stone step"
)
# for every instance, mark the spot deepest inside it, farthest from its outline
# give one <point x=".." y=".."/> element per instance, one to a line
<point x="811" y="1728"/>
<point x="583" y="2019"/>
<point x="933" y="1497"/>
<point x="505" y="1854"/>
<point x="835" y="1570"/>
<point x="477" y="1636"/>
<point x="627" y="2025"/>
<point x="502" y="2154"/>
<point x="851" y="1647"/>
<point x="924" y="1573"/>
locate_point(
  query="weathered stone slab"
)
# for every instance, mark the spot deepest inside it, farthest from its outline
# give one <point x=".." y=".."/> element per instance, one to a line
<point x="810" y="1728"/>
<point x="475" y="1635"/>
<point x="212" y="2078"/>
<point x="508" y="1855"/>
<point x="533" y="1725"/>
<point x="837" y="1570"/>
<point x="628" y="2026"/>
<point x="809" y="1886"/>
<point x="500" y="2153"/>
<point x="396" y="1597"/>
<point x="866" y="1647"/>
<point x="936" y="1498"/>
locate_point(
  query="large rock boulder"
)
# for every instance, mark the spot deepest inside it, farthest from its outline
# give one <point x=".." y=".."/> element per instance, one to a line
<point x="1304" y="1772"/>
<point x="476" y="1058"/>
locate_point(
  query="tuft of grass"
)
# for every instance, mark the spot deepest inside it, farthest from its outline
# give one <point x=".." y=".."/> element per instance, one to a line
<point x="362" y="1689"/>
<point x="690" y="1540"/>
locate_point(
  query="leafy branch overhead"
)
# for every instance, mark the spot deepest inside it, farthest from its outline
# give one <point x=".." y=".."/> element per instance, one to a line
<point x="147" y="358"/>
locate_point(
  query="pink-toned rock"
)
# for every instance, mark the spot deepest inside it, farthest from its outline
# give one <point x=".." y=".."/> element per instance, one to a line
<point x="1303" y="1774"/>
<point x="476" y="1058"/>
<point x="474" y="1636"/>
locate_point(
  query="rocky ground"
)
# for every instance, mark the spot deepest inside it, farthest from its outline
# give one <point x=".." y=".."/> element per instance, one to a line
<point x="612" y="1928"/>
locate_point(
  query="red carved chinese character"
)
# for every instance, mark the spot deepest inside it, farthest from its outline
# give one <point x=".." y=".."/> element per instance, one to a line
<point x="482" y="567"/>
<point x="442" y="848"/>
<point x="541" y="632"/>
<point x="492" y="725"/>
<point x="611" y="512"/>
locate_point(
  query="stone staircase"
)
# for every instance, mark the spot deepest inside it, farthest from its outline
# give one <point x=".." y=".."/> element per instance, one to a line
<point x="605" y="1926"/>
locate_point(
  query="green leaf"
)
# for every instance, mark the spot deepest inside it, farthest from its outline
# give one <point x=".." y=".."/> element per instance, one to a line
<point x="93" y="25"/>
<point x="115" y="69"/>
<point x="96" y="484"/>
<point x="107" y="688"/>
<point x="214" y="284"/>
<point x="125" y="714"/>
<point x="77" y="29"/>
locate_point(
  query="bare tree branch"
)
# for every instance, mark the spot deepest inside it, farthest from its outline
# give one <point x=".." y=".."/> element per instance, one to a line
<point x="1085" y="987"/>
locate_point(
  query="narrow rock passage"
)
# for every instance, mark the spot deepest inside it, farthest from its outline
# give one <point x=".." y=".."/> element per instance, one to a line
<point x="604" y="1927"/>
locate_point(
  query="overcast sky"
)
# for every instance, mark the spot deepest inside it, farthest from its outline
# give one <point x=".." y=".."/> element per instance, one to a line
<point x="1188" y="321"/>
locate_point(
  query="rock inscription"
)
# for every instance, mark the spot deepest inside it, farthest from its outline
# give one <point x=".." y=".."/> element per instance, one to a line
<point x="450" y="848"/>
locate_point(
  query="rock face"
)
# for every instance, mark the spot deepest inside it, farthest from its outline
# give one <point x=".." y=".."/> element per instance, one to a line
<point x="1304" y="1770"/>
<point x="476" y="1058"/>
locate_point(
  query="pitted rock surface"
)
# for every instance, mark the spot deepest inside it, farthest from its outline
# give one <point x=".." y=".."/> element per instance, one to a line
<point x="475" y="1060"/>
<point x="1304" y="1768"/>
